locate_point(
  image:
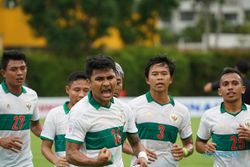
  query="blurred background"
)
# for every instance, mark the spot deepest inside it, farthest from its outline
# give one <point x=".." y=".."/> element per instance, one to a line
<point x="202" y="36"/>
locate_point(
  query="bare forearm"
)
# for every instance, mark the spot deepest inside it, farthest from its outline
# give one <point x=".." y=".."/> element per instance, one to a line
<point x="49" y="155"/>
<point x="138" y="147"/>
<point x="126" y="148"/>
<point x="188" y="147"/>
<point x="200" y="147"/>
<point x="78" y="158"/>
<point x="36" y="128"/>
<point x="135" y="143"/>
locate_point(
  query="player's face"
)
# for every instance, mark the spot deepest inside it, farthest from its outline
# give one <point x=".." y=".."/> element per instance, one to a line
<point x="231" y="87"/>
<point x="102" y="85"/>
<point x="119" y="86"/>
<point x="15" y="73"/>
<point x="77" y="90"/>
<point x="159" y="78"/>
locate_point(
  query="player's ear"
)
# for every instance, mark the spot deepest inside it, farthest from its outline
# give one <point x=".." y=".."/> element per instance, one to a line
<point x="171" y="80"/>
<point x="67" y="89"/>
<point x="2" y="72"/>
<point x="243" y="90"/>
<point x="147" y="80"/>
<point x="219" y="92"/>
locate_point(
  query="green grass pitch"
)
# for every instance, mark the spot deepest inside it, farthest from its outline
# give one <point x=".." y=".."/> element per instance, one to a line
<point x="195" y="160"/>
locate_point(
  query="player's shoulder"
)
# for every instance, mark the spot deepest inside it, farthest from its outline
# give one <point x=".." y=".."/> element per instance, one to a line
<point x="178" y="105"/>
<point x="138" y="100"/>
<point x="120" y="103"/>
<point x="213" y="111"/>
<point x="247" y="106"/>
<point x="29" y="91"/>
<point x="56" y="110"/>
<point x="80" y="107"/>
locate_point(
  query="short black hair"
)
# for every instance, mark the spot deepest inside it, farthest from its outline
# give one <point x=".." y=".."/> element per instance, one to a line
<point x="230" y="70"/>
<point x="99" y="62"/>
<point x="242" y="66"/>
<point x="11" y="55"/>
<point x="162" y="59"/>
<point x="74" y="76"/>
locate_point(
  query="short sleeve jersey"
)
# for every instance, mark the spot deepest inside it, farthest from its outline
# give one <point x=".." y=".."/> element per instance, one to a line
<point x="54" y="128"/>
<point x="158" y="126"/>
<point x="16" y="114"/>
<point x="221" y="126"/>
<point x="94" y="127"/>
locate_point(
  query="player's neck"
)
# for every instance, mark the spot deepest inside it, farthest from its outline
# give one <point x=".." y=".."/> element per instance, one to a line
<point x="160" y="97"/>
<point x="233" y="107"/>
<point x="70" y="105"/>
<point x="14" y="89"/>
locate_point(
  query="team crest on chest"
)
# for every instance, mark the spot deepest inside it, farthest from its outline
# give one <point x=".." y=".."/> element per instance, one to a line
<point x="8" y="106"/>
<point x="247" y="124"/>
<point x="174" y="118"/>
<point x="28" y="106"/>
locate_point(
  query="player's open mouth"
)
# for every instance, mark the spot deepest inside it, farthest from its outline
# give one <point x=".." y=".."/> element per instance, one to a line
<point x="231" y="93"/>
<point x="106" y="93"/>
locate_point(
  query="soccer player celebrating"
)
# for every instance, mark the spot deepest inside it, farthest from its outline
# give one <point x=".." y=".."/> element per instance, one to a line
<point x="98" y="123"/>
<point x="227" y="124"/>
<point x="159" y="117"/>
<point x="18" y="112"/>
<point x="56" y="122"/>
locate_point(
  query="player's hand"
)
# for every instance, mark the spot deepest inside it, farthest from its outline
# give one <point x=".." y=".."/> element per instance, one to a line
<point x="244" y="133"/>
<point x="141" y="162"/>
<point x="151" y="155"/>
<point x="12" y="143"/>
<point x="210" y="147"/>
<point x="177" y="152"/>
<point x="104" y="157"/>
<point x="62" y="162"/>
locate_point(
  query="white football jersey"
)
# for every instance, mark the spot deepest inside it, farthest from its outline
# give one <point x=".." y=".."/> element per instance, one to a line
<point x="96" y="127"/>
<point x="158" y="126"/>
<point x="16" y="114"/>
<point x="54" y="128"/>
<point x="221" y="126"/>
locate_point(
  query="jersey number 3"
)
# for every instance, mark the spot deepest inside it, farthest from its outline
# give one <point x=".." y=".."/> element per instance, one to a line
<point x="162" y="131"/>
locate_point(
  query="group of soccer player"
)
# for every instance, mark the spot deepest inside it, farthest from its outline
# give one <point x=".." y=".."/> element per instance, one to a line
<point x="94" y="127"/>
